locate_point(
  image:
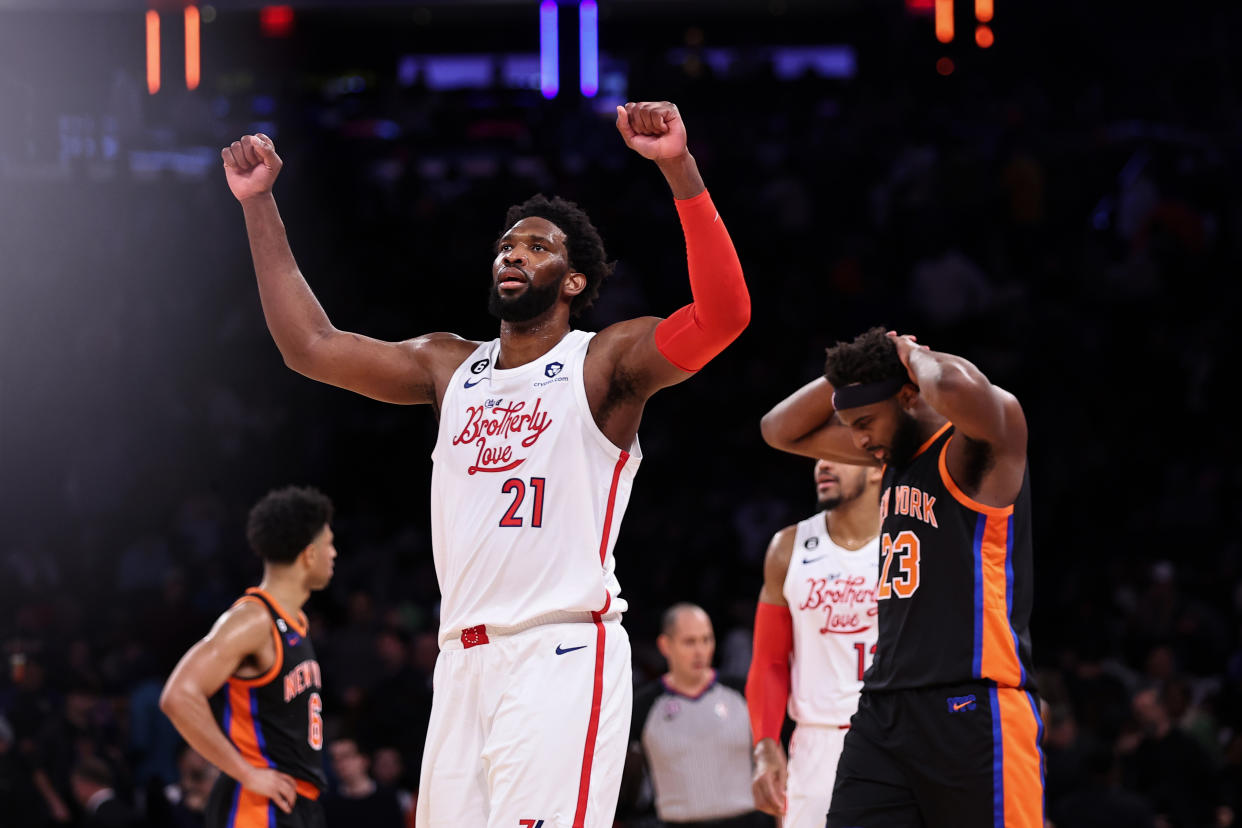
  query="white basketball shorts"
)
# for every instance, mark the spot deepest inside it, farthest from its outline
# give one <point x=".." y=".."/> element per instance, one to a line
<point x="528" y="730"/>
<point x="813" y="754"/>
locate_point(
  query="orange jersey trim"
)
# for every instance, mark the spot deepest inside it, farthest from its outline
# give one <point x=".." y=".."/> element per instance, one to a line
<point x="243" y="732"/>
<point x="277" y="662"/>
<point x="927" y="444"/>
<point x="252" y="810"/>
<point x="998" y="659"/>
<point x="960" y="496"/>
<point x="299" y="626"/>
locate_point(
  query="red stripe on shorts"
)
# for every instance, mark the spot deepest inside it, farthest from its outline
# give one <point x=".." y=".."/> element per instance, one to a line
<point x="588" y="752"/>
<point x="597" y="692"/>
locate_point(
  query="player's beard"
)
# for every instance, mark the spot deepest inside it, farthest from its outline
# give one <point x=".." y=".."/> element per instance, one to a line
<point x="827" y="504"/>
<point x="531" y="303"/>
<point x="905" y="441"/>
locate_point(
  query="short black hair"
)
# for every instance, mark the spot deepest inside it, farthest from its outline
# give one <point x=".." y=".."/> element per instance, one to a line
<point x="285" y="522"/>
<point x="586" y="248"/>
<point x="668" y="621"/>
<point x="870" y="357"/>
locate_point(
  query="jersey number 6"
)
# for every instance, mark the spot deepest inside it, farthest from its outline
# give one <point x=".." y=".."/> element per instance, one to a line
<point x="905" y="580"/>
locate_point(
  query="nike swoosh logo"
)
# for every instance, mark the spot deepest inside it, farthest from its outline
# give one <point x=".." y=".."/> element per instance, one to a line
<point x="963" y="704"/>
<point x="470" y="384"/>
<point x="813" y="560"/>
<point x="560" y="651"/>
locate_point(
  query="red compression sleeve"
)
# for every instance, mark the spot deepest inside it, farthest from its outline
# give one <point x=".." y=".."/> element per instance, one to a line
<point x="767" y="684"/>
<point x="721" y="307"/>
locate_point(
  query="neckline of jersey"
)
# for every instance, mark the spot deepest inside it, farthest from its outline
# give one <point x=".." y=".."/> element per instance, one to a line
<point x="299" y="626"/>
<point x="542" y="359"/>
<point x="939" y="432"/>
<point x="823" y="516"/>
<point x="699" y="695"/>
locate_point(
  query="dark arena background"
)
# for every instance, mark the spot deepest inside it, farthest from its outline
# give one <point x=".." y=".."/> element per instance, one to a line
<point x="1050" y="189"/>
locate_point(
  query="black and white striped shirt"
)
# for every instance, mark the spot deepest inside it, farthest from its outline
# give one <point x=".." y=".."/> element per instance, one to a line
<point x="697" y="750"/>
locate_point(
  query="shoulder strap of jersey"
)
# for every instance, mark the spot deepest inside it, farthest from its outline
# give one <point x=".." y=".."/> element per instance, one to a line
<point x="279" y="661"/>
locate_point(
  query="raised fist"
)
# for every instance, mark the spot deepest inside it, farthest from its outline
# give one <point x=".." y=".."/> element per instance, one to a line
<point x="251" y="165"/>
<point x="652" y="129"/>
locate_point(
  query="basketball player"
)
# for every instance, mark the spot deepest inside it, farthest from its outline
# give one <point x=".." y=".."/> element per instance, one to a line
<point x="536" y="454"/>
<point x="264" y="731"/>
<point x="947" y="729"/>
<point x="815" y="634"/>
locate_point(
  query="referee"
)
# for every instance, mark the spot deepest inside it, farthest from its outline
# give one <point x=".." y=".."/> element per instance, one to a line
<point x="694" y="732"/>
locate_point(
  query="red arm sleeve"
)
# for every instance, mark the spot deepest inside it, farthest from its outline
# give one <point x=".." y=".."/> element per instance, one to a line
<point x="721" y="307"/>
<point x="767" y="684"/>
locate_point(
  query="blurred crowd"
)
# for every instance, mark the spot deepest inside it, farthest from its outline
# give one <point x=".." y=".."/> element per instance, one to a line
<point x="1077" y="235"/>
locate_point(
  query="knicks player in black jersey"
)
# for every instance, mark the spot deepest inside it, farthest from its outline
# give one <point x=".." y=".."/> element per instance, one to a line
<point x="947" y="731"/>
<point x="247" y="697"/>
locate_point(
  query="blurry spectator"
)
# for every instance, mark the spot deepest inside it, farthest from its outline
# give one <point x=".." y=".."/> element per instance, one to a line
<point x="19" y="801"/>
<point x="1065" y="755"/>
<point x="693" y="732"/>
<point x="64" y="739"/>
<point x="1101" y="801"/>
<point x="183" y="803"/>
<point x="1168" y="767"/>
<point x="397" y="703"/>
<point x="389" y="771"/>
<point x="92" y="782"/>
<point x="357" y="799"/>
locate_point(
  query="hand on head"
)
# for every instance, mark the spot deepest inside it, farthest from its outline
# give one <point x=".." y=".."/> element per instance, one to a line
<point x="906" y="345"/>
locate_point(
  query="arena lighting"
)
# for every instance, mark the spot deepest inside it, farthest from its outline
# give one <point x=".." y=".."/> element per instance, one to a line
<point x="944" y="21"/>
<point x="984" y="36"/>
<point x="983" y="11"/>
<point x="192" y="67"/>
<point x="549" y="71"/>
<point x="945" y="66"/>
<point x="153" y="52"/>
<point x="276" y="21"/>
<point x="920" y="6"/>
<point x="588" y="48"/>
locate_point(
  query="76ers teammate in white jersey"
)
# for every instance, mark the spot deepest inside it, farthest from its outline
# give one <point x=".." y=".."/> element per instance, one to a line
<point x="815" y="635"/>
<point x="536" y="453"/>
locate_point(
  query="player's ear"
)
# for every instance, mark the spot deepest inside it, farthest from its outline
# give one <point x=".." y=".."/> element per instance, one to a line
<point x="908" y="395"/>
<point x="306" y="558"/>
<point x="574" y="283"/>
<point x="662" y="644"/>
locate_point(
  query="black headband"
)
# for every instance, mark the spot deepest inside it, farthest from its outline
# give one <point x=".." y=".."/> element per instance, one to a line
<point x="866" y="393"/>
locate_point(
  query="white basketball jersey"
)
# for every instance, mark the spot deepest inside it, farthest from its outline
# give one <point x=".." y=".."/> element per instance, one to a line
<point x="831" y="593"/>
<point x="527" y="494"/>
